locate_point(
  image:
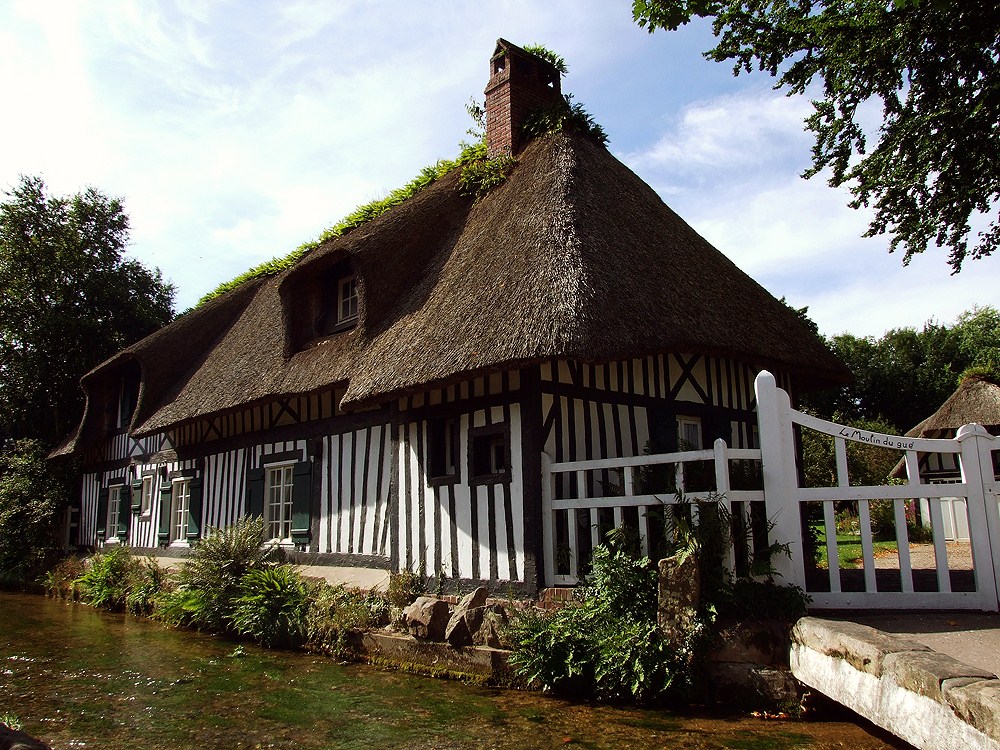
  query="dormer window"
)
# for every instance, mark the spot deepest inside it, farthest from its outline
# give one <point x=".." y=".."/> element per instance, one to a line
<point x="347" y="300"/>
<point x="339" y="303"/>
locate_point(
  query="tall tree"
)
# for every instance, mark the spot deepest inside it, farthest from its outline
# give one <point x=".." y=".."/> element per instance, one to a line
<point x="905" y="375"/>
<point x="933" y="66"/>
<point x="69" y="299"/>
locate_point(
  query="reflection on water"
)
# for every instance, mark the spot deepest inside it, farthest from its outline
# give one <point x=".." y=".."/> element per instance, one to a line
<point x="78" y="678"/>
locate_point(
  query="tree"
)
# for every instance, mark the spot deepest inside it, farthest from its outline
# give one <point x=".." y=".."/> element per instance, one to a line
<point x="934" y="68"/>
<point x="69" y="299"/>
<point x="33" y="496"/>
<point x="907" y="374"/>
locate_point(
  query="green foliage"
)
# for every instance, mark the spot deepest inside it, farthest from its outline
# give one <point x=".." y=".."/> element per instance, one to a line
<point x="272" y="607"/>
<point x="336" y="612"/>
<point x="563" y="116"/>
<point x="33" y="497"/>
<point x="867" y="465"/>
<point x="69" y="299"/>
<point x="933" y="70"/>
<point x="12" y="721"/>
<point x="750" y="599"/>
<point x="404" y="588"/>
<point x="60" y="580"/>
<point x="209" y="581"/>
<point x="904" y="376"/>
<point x="105" y="580"/>
<point x="480" y="177"/>
<point x="146" y="583"/>
<point x="608" y="644"/>
<point x="549" y="56"/>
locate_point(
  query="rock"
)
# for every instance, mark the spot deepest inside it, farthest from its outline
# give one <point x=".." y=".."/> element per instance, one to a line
<point x="978" y="703"/>
<point x="863" y="647"/>
<point x="11" y="739"/>
<point x="493" y="622"/>
<point x="461" y="628"/>
<point x="427" y="618"/>
<point x="677" y="601"/>
<point x="924" y="672"/>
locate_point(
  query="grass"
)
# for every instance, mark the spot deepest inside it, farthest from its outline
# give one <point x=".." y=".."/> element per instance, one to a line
<point x="849" y="553"/>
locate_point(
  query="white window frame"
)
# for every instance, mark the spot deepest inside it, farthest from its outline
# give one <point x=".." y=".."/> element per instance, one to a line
<point x="114" y="513"/>
<point x="279" y="484"/>
<point x="683" y="441"/>
<point x="146" y="495"/>
<point x="180" y="511"/>
<point x="347" y="298"/>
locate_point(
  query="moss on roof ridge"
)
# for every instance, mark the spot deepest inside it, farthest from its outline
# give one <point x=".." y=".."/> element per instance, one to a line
<point x="469" y="154"/>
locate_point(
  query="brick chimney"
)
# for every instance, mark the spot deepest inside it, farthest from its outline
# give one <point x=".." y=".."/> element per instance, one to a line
<point x="519" y="84"/>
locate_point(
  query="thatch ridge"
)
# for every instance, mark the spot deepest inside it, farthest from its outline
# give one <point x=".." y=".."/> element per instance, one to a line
<point x="976" y="400"/>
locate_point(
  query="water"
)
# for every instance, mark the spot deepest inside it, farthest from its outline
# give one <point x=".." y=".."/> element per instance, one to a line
<point x="79" y="678"/>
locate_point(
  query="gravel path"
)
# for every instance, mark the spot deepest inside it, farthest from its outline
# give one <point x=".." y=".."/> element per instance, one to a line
<point x="922" y="557"/>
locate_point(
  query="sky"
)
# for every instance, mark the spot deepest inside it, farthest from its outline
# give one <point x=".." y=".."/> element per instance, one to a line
<point x="235" y="131"/>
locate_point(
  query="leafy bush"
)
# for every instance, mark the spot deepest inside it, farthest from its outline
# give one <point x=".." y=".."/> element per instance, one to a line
<point x="147" y="582"/>
<point x="33" y="497"/>
<point x="105" y="580"/>
<point x="404" y="588"/>
<point x="60" y="580"/>
<point x="336" y="612"/>
<point x="209" y="581"/>
<point x="272" y="607"/>
<point x="608" y="644"/>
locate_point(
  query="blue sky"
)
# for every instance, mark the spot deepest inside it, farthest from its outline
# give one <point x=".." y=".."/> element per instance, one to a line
<point x="235" y="131"/>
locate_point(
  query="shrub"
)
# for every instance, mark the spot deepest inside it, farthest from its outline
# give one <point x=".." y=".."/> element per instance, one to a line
<point x="336" y="612"/>
<point x="480" y="177"/>
<point x="272" y="607"/>
<point x="60" y="580"/>
<point x="607" y="645"/>
<point x="209" y="581"/>
<point x="404" y="588"/>
<point x="105" y="580"/>
<point x="147" y="582"/>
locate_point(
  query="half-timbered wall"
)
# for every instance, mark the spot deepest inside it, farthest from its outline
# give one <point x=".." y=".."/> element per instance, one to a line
<point x="355" y="479"/>
<point x="462" y="528"/>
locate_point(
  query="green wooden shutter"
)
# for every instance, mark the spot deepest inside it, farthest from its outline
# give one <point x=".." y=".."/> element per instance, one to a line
<point x="102" y="514"/>
<point x="301" y="502"/>
<point x="255" y="492"/>
<point x="137" y="496"/>
<point x="166" y="498"/>
<point x="123" y="512"/>
<point x="194" y="511"/>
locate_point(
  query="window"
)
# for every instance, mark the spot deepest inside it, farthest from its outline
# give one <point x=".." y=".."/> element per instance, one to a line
<point x="689" y="433"/>
<point x="347" y="299"/>
<point x="442" y="449"/>
<point x="114" y="511"/>
<point x="278" y="505"/>
<point x="489" y="454"/>
<point x="145" y="495"/>
<point x="180" y="507"/>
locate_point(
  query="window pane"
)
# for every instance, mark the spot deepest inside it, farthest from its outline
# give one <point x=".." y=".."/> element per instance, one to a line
<point x="278" y="509"/>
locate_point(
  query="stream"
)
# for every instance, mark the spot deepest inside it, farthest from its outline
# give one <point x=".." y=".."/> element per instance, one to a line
<point x="79" y="678"/>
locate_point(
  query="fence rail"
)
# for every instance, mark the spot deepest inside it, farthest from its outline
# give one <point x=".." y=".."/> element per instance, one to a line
<point x="576" y="516"/>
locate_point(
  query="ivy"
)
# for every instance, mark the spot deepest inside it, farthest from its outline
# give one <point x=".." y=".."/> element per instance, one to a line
<point x="549" y="56"/>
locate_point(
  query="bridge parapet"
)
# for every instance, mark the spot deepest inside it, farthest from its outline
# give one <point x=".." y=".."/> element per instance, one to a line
<point x="929" y="699"/>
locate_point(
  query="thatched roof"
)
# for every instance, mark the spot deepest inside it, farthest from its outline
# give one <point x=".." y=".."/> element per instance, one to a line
<point x="573" y="256"/>
<point x="976" y="400"/>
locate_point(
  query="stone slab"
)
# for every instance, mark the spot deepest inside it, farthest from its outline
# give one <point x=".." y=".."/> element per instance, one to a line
<point x="978" y="703"/>
<point x="862" y="646"/>
<point x="924" y="672"/>
<point x="434" y="658"/>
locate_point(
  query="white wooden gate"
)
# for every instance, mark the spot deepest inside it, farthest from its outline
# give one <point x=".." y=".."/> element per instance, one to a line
<point x="870" y="583"/>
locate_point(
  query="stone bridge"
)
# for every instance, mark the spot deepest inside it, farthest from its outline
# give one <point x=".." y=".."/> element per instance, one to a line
<point x="926" y="697"/>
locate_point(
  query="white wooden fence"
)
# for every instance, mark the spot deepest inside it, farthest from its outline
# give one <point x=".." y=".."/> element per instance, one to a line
<point x="580" y="513"/>
<point x="581" y="499"/>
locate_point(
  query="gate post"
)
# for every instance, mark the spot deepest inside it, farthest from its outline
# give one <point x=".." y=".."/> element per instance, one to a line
<point x="777" y="453"/>
<point x="984" y="516"/>
<point x="548" y="524"/>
